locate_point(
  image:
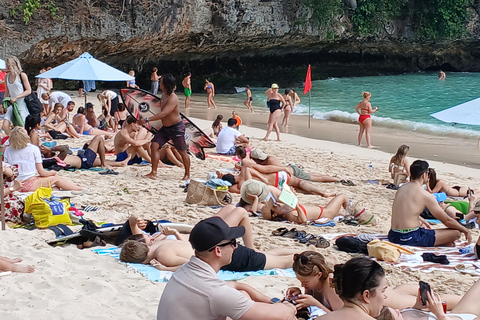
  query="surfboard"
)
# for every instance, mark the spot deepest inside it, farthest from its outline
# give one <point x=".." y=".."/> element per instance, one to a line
<point x="142" y="104"/>
<point x="115" y="229"/>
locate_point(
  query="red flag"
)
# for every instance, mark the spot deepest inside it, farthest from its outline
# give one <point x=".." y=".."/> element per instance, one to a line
<point x="308" y="81"/>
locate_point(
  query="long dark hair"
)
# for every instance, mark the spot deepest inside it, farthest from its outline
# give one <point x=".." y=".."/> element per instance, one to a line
<point x="217" y="121"/>
<point x="168" y="82"/>
<point x="432" y="178"/>
<point x="356" y="276"/>
<point x="31" y="122"/>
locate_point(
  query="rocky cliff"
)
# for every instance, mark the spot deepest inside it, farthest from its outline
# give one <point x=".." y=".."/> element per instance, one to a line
<point x="234" y="42"/>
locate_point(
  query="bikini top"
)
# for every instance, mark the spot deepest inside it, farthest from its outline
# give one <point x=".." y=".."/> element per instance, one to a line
<point x="393" y="165"/>
<point x="431" y="316"/>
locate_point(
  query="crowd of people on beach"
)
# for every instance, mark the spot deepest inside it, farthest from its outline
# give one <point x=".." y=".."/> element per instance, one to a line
<point x="267" y="188"/>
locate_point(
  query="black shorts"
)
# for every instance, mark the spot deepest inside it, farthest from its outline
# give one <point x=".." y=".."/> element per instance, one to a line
<point x="80" y="84"/>
<point x="114" y="104"/>
<point x="88" y="158"/>
<point x="246" y="259"/>
<point x="175" y="132"/>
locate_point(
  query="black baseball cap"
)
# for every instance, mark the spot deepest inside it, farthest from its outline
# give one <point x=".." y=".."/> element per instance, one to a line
<point x="209" y="232"/>
<point x="89" y="105"/>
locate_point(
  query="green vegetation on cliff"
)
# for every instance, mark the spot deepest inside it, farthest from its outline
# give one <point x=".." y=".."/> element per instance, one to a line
<point x="29" y="7"/>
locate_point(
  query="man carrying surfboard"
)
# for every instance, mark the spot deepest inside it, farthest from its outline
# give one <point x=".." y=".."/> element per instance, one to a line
<point x="172" y="129"/>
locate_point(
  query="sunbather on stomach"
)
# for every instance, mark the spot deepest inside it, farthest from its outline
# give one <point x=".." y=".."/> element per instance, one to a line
<point x="435" y="185"/>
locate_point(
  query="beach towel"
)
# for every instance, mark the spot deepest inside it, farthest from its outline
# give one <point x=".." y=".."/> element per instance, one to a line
<point x="219" y="157"/>
<point x="155" y="275"/>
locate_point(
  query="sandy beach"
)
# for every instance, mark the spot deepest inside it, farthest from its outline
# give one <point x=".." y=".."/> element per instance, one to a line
<point x="72" y="283"/>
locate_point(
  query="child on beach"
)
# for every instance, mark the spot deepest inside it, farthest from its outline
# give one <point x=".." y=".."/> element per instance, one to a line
<point x="236" y="117"/>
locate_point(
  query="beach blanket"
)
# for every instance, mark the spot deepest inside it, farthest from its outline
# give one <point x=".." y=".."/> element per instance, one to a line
<point x="153" y="274"/>
<point x="219" y="157"/>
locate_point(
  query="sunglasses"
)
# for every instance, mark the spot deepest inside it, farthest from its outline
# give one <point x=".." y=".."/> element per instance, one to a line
<point x="232" y="242"/>
<point x="303" y="259"/>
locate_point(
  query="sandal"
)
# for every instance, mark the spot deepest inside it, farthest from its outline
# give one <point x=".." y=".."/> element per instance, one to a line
<point x="279" y="232"/>
<point x="322" y="242"/>
<point x="109" y="171"/>
<point x="348" y="183"/>
<point x="305" y="239"/>
<point x="299" y="234"/>
<point x="290" y="234"/>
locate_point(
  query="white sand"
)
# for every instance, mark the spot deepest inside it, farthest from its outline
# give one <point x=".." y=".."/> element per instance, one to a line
<point x="72" y="283"/>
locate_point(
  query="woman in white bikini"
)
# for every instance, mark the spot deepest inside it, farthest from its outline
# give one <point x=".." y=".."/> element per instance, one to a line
<point x="399" y="167"/>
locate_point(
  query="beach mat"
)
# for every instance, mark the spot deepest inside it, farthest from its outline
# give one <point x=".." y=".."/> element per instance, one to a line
<point x="155" y="275"/>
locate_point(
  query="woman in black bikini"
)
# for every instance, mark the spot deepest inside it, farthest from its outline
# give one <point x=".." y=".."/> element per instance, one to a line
<point x="435" y="186"/>
<point x="273" y="101"/>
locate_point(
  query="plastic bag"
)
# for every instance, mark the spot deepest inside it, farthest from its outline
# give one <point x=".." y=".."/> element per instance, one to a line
<point x="47" y="210"/>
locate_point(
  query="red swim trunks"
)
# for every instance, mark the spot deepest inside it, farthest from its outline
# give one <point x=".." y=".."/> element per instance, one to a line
<point x="363" y="117"/>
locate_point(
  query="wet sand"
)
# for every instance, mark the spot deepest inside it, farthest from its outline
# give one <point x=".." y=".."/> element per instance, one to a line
<point x="459" y="151"/>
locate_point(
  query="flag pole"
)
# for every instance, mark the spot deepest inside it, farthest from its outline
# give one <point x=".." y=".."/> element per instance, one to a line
<point x="307" y="88"/>
<point x="309" y="97"/>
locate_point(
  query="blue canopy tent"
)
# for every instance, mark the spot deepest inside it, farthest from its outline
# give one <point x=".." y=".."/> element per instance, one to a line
<point x="465" y="113"/>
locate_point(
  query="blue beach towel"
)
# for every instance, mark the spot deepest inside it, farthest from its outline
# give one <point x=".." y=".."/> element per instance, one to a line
<point x="156" y="275"/>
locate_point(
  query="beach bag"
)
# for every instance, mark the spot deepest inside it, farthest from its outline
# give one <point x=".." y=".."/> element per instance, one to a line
<point x="34" y="105"/>
<point x="17" y="119"/>
<point x="385" y="250"/>
<point x="199" y="193"/>
<point x="47" y="210"/>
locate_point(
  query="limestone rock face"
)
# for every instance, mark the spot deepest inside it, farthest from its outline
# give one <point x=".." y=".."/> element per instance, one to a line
<point x="232" y="41"/>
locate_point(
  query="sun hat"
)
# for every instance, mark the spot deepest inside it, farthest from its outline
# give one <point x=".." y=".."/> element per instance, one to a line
<point x="254" y="187"/>
<point x="274" y="86"/>
<point x="258" y="154"/>
<point x="209" y="232"/>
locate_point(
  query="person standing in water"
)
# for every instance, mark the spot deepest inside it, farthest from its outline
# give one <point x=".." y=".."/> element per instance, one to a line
<point x="248" y="101"/>
<point x="273" y="101"/>
<point x="187" y="89"/>
<point x="295" y="97"/>
<point x="442" y="75"/>
<point x="364" y="109"/>
<point x="287" y="107"/>
<point x="210" y="93"/>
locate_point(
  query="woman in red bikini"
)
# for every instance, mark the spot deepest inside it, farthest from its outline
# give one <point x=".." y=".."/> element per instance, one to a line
<point x="364" y="109"/>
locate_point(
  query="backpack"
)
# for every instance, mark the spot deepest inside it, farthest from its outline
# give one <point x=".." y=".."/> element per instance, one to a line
<point x="34" y="105"/>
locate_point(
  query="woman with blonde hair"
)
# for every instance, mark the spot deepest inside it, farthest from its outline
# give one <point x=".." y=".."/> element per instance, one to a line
<point x="132" y="83"/>
<point x="364" y="109"/>
<point x="28" y="158"/>
<point x="399" y="167"/>
<point x="109" y="99"/>
<point x="17" y="88"/>
<point x="274" y="99"/>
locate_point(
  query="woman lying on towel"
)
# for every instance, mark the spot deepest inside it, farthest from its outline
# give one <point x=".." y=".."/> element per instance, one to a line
<point x="315" y="274"/>
<point x="362" y="288"/>
<point x="467" y="308"/>
<point x="256" y="194"/>
<point x="29" y="161"/>
<point x="435" y="186"/>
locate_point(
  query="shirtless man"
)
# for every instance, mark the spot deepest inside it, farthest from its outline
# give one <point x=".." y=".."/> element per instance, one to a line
<point x="129" y="143"/>
<point x="87" y="158"/>
<point x="272" y="176"/>
<point x="91" y="117"/>
<point x="248" y="101"/>
<point x="173" y="127"/>
<point x="169" y="255"/>
<point x="154" y="77"/>
<point x="187" y="89"/>
<point x="263" y="159"/>
<point x="442" y="75"/>
<point x="410" y="200"/>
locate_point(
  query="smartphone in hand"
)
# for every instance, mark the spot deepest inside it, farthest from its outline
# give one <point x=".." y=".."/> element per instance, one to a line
<point x="424" y="288"/>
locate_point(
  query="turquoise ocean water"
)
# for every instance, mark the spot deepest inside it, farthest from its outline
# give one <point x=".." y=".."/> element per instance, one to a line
<point x="406" y="101"/>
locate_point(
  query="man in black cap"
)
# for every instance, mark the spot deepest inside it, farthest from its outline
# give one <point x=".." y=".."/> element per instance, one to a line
<point x="195" y="291"/>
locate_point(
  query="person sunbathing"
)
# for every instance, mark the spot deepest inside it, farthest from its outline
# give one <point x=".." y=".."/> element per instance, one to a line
<point x="33" y="127"/>
<point x="169" y="255"/>
<point x="435" y="185"/>
<point x="271" y="175"/>
<point x="399" y="167"/>
<point x="315" y="272"/>
<point x="82" y="127"/>
<point x="54" y="122"/>
<point x="466" y="309"/>
<point x="87" y="158"/>
<point x="263" y="159"/>
<point x="132" y="141"/>
<point x="12" y="265"/>
<point x="410" y="200"/>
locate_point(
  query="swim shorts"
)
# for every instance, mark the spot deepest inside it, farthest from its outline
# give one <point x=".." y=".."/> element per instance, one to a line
<point x="281" y="178"/>
<point x="420" y="237"/>
<point x="88" y="158"/>
<point x="103" y="124"/>
<point x="246" y="259"/>
<point x="187" y="92"/>
<point x="299" y="173"/>
<point x="175" y="132"/>
<point x="251" y="98"/>
<point x="231" y="151"/>
<point x="124" y="155"/>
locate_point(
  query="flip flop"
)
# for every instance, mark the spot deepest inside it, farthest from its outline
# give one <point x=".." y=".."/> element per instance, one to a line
<point x="108" y="171"/>
<point x="467" y="269"/>
<point x="290" y="234"/>
<point x="307" y="239"/>
<point x="322" y="242"/>
<point x="299" y="234"/>
<point x="348" y="183"/>
<point x="279" y="232"/>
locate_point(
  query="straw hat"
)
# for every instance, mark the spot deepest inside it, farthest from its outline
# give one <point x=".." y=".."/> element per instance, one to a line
<point x="254" y="187"/>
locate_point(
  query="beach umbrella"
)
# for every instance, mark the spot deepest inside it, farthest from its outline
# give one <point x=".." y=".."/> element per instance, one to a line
<point x="465" y="113"/>
<point x="86" y="67"/>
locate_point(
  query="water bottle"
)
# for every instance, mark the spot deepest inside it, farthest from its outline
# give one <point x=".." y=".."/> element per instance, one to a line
<point x="370" y="168"/>
<point x="349" y="208"/>
<point x="466" y="250"/>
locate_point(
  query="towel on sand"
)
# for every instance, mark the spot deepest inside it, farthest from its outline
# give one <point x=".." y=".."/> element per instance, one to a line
<point x="156" y="275"/>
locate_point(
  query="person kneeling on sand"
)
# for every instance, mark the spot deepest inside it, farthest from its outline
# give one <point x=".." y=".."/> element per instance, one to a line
<point x="87" y="158"/>
<point x="202" y="294"/>
<point x="132" y="141"/>
<point x="29" y="160"/>
<point x="410" y="200"/>
<point x="229" y="138"/>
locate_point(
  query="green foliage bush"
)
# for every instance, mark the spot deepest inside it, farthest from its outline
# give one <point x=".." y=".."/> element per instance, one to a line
<point x="29" y="7"/>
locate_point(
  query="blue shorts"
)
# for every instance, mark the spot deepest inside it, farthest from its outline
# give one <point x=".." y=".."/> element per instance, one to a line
<point x="124" y="155"/>
<point x="420" y="237"/>
<point x="88" y="158"/>
<point x="230" y="152"/>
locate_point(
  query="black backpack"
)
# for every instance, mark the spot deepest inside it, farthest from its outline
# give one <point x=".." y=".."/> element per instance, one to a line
<point x="33" y="104"/>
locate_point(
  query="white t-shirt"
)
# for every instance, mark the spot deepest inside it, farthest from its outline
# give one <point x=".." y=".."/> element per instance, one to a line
<point x="59" y="97"/>
<point x="226" y="139"/>
<point x="26" y="159"/>
<point x="196" y="292"/>
<point x="112" y="94"/>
